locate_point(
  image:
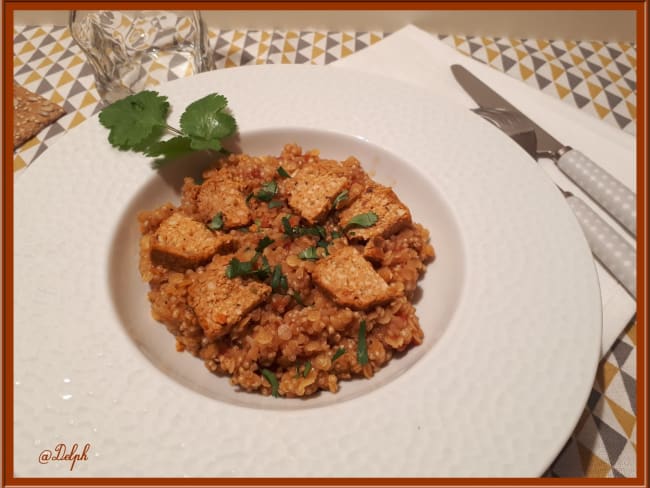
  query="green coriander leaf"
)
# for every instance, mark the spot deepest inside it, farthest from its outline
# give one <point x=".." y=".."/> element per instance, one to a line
<point x="249" y="196"/>
<point x="275" y="204"/>
<point x="309" y="253"/>
<point x="204" y="119"/>
<point x="339" y="198"/>
<point x="243" y="229"/>
<point x="283" y="172"/>
<point x="270" y="377"/>
<point x="264" y="243"/>
<point x="362" y="345"/>
<point x="264" y="271"/>
<point x="267" y="191"/>
<point x="335" y="235"/>
<point x="237" y="268"/>
<point x="166" y="151"/>
<point x="339" y="352"/>
<point x="217" y="222"/>
<point x="362" y="220"/>
<point x="307" y="369"/>
<point x="298" y="298"/>
<point x="133" y="119"/>
<point x="278" y="280"/>
<point x="297" y="372"/>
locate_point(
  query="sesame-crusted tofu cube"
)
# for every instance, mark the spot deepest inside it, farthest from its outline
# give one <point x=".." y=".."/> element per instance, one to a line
<point x="181" y="242"/>
<point x="392" y="214"/>
<point x="220" y="302"/>
<point x="351" y="280"/>
<point x="314" y="187"/>
<point x="219" y="195"/>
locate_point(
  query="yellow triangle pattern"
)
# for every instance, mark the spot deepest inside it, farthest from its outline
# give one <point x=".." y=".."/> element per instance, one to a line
<point x="594" y="90"/>
<point x="374" y="38"/>
<point x="613" y="76"/>
<point x="285" y="60"/>
<point x="88" y="99"/>
<point x="19" y="163"/>
<point x="56" y="97"/>
<point x="33" y="76"/>
<point x="318" y="36"/>
<point x="632" y="109"/>
<point x="562" y="91"/>
<point x="602" y="111"/>
<point x="288" y="47"/>
<point x="292" y="35"/>
<point x="592" y="465"/>
<point x="542" y="44"/>
<point x="626" y="420"/>
<point x="521" y="54"/>
<point x="556" y="71"/>
<point x="75" y="61"/>
<point x="624" y="91"/>
<point x="345" y="37"/>
<point x="604" y="60"/>
<point x="57" y="48"/>
<point x="632" y="60"/>
<point x="632" y="332"/>
<point x="525" y="72"/>
<point x="39" y="33"/>
<point x="66" y="78"/>
<point x="27" y="47"/>
<point x="577" y="60"/>
<point x="18" y="62"/>
<point x="316" y="51"/>
<point x="261" y="51"/>
<point x="46" y="62"/>
<point x="345" y="51"/>
<point x="266" y="35"/>
<point x="76" y="120"/>
<point x="233" y="49"/>
<point x="458" y="41"/>
<point x="606" y="372"/>
<point x="491" y="54"/>
<point x="230" y="63"/>
<point x="238" y="35"/>
<point x="585" y="73"/>
<point x="156" y="66"/>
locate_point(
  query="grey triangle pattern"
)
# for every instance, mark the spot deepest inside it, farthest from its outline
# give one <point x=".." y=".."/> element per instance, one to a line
<point x="613" y="441"/>
<point x="595" y="68"/>
<point x="537" y="63"/>
<point x="565" y="65"/>
<point x="531" y="49"/>
<point x="172" y="76"/>
<point x="38" y="54"/>
<point x="630" y="387"/>
<point x="55" y="68"/>
<point x="503" y="47"/>
<point x="630" y="83"/>
<point x="622" y="121"/>
<point x="330" y="43"/>
<point x="614" y="53"/>
<point x="616" y="473"/>
<point x="68" y="107"/>
<point x="24" y="69"/>
<point x="301" y="59"/>
<point x="248" y="40"/>
<point x="612" y="99"/>
<point x="557" y="51"/>
<point x="246" y="58"/>
<point x="48" y="39"/>
<point x="604" y="82"/>
<point x="573" y="80"/>
<point x="473" y="47"/>
<point x="302" y="44"/>
<point x="86" y="70"/>
<point x="221" y="43"/>
<point x="541" y="81"/>
<point x="76" y="88"/>
<point x="622" y="68"/>
<point x="620" y="350"/>
<point x="276" y="36"/>
<point x="274" y="49"/>
<point x="43" y="87"/>
<point x="580" y="100"/>
<point x="54" y="130"/>
<point x="68" y="53"/>
<point x="594" y="397"/>
<point x="359" y="45"/>
<point x="507" y="63"/>
<point x="19" y="38"/>
<point x="568" y="463"/>
<point x="329" y="58"/>
<point x="43" y="147"/>
<point x="176" y="61"/>
<point x="586" y="53"/>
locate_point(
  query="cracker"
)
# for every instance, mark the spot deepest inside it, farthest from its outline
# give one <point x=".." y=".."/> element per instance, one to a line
<point x="32" y="113"/>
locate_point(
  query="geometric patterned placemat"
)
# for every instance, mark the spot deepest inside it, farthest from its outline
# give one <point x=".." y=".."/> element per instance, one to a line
<point x="47" y="62"/>
<point x="596" y="77"/>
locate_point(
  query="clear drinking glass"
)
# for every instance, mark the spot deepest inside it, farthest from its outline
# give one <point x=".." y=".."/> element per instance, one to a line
<point x="132" y="50"/>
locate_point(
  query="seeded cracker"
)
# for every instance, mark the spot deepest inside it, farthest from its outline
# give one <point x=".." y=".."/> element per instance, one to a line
<point x="32" y="113"/>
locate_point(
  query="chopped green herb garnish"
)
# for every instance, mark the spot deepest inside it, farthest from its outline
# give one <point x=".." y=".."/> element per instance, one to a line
<point x="237" y="268"/>
<point x="265" y="242"/>
<point x="339" y="198"/>
<point x="362" y="346"/>
<point x="275" y="204"/>
<point x="362" y="220"/>
<point x="278" y="280"/>
<point x="309" y="253"/>
<point x="297" y="231"/>
<point x="335" y="234"/>
<point x="270" y="377"/>
<point x="217" y="222"/>
<point x="283" y="172"/>
<point x="267" y="191"/>
<point x="296" y="296"/>
<point x="339" y="352"/>
<point x="243" y="229"/>
<point x="306" y="369"/>
<point x="249" y="196"/>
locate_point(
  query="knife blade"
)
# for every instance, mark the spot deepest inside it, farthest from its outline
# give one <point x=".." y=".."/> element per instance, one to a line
<point x="602" y="187"/>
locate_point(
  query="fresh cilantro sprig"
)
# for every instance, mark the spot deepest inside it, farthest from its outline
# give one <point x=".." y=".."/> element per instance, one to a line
<point x="364" y="220"/>
<point x="362" y="345"/>
<point x="138" y="123"/>
<point x="273" y="381"/>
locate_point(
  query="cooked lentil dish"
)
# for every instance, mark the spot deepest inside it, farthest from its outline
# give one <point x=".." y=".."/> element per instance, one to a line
<point x="286" y="273"/>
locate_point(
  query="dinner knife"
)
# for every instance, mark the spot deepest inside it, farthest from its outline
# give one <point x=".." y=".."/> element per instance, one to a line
<point x="601" y="186"/>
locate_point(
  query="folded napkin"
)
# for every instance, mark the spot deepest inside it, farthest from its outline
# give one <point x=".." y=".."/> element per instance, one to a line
<point x="414" y="56"/>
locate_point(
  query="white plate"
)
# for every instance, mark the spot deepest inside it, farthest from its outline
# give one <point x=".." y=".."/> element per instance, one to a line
<point x="510" y="307"/>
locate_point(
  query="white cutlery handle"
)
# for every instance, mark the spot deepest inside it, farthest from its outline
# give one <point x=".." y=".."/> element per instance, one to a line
<point x="614" y="253"/>
<point x="602" y="187"/>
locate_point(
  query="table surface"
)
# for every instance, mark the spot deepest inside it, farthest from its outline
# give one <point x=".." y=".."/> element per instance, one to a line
<point x="596" y="77"/>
